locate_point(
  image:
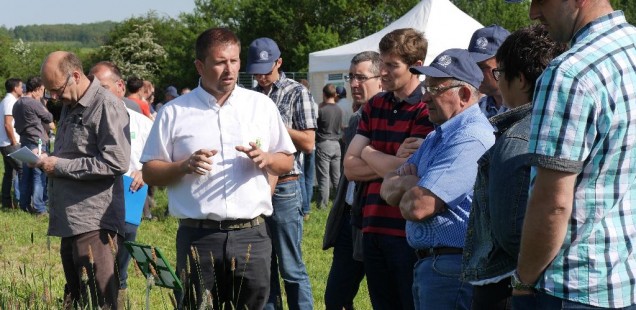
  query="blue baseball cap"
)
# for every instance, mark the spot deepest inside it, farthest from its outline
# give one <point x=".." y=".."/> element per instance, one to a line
<point x="486" y="41"/>
<point x="341" y="92"/>
<point x="262" y="54"/>
<point x="453" y="63"/>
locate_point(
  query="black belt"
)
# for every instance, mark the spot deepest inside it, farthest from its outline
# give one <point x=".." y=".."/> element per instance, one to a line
<point x="287" y="178"/>
<point x="426" y="252"/>
<point x="223" y="225"/>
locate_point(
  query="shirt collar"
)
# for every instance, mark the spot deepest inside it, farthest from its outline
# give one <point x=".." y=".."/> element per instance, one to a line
<point x="87" y="98"/>
<point x="504" y="120"/>
<point x="210" y="100"/>
<point x="458" y="120"/>
<point x="414" y="98"/>
<point x="599" y="25"/>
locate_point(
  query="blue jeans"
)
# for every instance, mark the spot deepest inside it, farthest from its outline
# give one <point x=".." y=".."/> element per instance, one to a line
<point x="286" y="230"/>
<point x="123" y="256"/>
<point x="8" y="179"/>
<point x="346" y="273"/>
<point x="388" y="264"/>
<point x="307" y="180"/>
<point x="541" y="300"/>
<point x="436" y="283"/>
<point x="33" y="185"/>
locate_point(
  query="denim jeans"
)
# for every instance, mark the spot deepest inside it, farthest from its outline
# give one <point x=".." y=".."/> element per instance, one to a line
<point x="436" y="283"/>
<point x="286" y="230"/>
<point x="307" y="180"/>
<point x="543" y="301"/>
<point x="327" y="169"/>
<point x="346" y="273"/>
<point x="8" y="179"/>
<point x="33" y="185"/>
<point x="388" y="264"/>
<point x="123" y="256"/>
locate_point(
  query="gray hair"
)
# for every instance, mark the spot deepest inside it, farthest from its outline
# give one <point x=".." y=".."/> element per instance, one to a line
<point x="373" y="57"/>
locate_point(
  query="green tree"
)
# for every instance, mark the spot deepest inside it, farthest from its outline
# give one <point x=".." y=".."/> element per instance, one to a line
<point x="136" y="53"/>
<point x="488" y="12"/>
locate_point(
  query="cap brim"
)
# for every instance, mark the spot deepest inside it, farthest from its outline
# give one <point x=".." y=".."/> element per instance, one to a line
<point x="479" y="57"/>
<point x="429" y="71"/>
<point x="259" y="68"/>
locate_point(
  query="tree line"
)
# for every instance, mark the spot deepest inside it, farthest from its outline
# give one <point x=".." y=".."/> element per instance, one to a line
<point x="161" y="48"/>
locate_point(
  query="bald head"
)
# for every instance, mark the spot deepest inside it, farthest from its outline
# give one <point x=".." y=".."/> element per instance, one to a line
<point x="63" y="76"/>
<point x="109" y="76"/>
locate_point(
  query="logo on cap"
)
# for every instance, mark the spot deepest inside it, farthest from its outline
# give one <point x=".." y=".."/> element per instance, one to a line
<point x="481" y="43"/>
<point x="264" y="55"/>
<point x="444" y="60"/>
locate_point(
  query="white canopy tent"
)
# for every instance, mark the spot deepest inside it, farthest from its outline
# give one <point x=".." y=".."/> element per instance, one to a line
<point x="443" y="24"/>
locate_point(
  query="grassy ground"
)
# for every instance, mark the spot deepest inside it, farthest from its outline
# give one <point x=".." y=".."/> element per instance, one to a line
<point x="31" y="274"/>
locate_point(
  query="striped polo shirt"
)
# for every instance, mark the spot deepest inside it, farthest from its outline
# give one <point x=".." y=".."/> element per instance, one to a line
<point x="386" y="122"/>
<point x="584" y="122"/>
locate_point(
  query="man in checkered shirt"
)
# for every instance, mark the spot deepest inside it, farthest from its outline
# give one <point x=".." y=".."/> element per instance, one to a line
<point x="577" y="247"/>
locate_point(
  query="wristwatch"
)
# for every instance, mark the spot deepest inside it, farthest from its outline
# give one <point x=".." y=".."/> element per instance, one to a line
<point x="518" y="285"/>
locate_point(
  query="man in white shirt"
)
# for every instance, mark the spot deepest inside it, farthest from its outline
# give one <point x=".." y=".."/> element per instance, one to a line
<point x="214" y="148"/>
<point x="9" y="142"/>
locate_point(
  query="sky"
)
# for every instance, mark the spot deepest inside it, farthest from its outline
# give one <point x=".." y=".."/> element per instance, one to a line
<point x="44" y="12"/>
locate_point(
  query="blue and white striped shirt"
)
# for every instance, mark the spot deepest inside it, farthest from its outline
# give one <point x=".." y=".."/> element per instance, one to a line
<point x="584" y="122"/>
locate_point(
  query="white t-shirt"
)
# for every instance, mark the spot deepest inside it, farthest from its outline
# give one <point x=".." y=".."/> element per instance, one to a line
<point x="235" y="188"/>
<point x="6" y="107"/>
<point x="140" y="126"/>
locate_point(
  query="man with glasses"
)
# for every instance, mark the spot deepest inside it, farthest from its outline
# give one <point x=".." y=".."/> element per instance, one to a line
<point x="392" y="127"/>
<point x="299" y="113"/>
<point x="433" y="189"/>
<point x="86" y="197"/>
<point x="347" y="268"/>
<point x="483" y="47"/>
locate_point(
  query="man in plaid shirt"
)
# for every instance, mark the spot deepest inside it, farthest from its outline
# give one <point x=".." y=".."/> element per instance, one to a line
<point x="580" y="225"/>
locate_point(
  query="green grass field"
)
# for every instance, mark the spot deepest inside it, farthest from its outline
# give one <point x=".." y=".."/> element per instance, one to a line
<point x="31" y="274"/>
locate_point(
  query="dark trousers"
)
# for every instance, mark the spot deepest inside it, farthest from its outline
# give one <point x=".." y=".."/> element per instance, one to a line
<point x="232" y="266"/>
<point x="90" y="276"/>
<point x="495" y="296"/>
<point x="388" y="264"/>
<point x="346" y="273"/>
<point x="543" y="301"/>
<point x="123" y="256"/>
<point x="10" y="165"/>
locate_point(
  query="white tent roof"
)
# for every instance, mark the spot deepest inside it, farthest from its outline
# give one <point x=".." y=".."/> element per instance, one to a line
<point x="444" y="26"/>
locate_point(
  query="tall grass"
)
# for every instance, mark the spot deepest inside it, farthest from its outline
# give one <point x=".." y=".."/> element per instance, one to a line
<point x="31" y="275"/>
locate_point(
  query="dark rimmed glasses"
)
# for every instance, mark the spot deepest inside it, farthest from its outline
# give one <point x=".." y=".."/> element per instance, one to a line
<point x="60" y="91"/>
<point x="359" y="78"/>
<point x="496" y="73"/>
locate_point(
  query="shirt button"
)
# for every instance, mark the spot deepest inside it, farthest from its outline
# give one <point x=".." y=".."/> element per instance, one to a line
<point x="394" y="111"/>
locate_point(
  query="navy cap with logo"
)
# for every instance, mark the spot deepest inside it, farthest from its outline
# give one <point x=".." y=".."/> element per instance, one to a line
<point x="453" y="63"/>
<point x="262" y="54"/>
<point x="486" y="41"/>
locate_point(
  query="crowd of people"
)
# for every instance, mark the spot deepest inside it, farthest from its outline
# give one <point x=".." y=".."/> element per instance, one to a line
<point x="498" y="176"/>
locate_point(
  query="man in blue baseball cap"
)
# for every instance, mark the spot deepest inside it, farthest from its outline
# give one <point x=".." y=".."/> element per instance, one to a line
<point x="577" y="243"/>
<point x="299" y="113"/>
<point x="434" y="187"/>
<point x="483" y="46"/>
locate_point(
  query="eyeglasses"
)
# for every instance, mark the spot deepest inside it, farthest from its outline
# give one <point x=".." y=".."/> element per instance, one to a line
<point x="60" y="91"/>
<point x="359" y="78"/>
<point x="437" y="90"/>
<point x="496" y="73"/>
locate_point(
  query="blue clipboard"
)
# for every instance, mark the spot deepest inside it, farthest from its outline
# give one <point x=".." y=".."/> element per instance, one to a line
<point x="134" y="201"/>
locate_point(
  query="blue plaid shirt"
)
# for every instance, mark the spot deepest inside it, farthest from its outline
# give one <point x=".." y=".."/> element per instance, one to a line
<point x="296" y="107"/>
<point x="447" y="166"/>
<point x="584" y="122"/>
<point x="488" y="106"/>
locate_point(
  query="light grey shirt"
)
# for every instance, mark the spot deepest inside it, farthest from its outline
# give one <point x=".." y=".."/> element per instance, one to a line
<point x="86" y="191"/>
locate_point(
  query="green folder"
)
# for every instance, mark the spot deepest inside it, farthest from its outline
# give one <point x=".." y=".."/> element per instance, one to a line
<point x="165" y="275"/>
